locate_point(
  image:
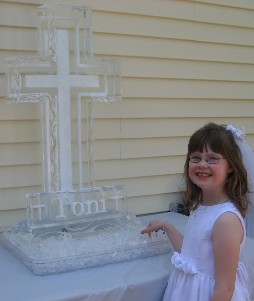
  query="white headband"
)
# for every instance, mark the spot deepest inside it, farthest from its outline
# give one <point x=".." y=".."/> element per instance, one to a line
<point x="238" y="134"/>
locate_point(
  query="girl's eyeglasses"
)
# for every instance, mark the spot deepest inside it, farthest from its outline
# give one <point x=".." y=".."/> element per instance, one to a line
<point x="211" y="159"/>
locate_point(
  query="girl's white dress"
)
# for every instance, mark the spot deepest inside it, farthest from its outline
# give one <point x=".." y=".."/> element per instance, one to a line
<point x="193" y="276"/>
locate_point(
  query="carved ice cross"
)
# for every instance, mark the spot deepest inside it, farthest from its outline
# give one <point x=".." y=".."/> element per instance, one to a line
<point x="100" y="82"/>
<point x="63" y="81"/>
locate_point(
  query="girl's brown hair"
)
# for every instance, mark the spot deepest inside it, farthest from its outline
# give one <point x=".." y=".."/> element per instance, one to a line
<point x="221" y="141"/>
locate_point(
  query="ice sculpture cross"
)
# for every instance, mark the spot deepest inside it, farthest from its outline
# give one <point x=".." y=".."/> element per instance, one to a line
<point x="63" y="81"/>
<point x="36" y="79"/>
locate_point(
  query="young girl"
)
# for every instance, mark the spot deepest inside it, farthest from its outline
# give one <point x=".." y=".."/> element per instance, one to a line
<point x="207" y="259"/>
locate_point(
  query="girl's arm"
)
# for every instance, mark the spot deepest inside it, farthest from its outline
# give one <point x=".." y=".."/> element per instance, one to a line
<point x="227" y="236"/>
<point x="174" y="235"/>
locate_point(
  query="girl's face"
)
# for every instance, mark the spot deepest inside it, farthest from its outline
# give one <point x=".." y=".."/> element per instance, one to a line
<point x="209" y="171"/>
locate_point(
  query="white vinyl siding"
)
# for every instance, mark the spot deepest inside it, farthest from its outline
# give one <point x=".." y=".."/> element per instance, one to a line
<point x="184" y="63"/>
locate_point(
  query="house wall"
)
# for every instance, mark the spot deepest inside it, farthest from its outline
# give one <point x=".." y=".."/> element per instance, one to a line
<point x="184" y="63"/>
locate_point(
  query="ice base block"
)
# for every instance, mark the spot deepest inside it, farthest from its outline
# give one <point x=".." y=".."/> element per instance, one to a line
<point x="111" y="239"/>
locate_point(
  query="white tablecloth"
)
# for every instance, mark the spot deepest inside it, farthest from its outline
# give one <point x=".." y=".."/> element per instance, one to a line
<point x="137" y="280"/>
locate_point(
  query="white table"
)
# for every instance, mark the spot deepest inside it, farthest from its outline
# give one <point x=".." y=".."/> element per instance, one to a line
<point x="137" y="280"/>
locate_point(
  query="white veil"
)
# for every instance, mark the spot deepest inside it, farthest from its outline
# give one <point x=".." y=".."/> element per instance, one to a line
<point x="248" y="160"/>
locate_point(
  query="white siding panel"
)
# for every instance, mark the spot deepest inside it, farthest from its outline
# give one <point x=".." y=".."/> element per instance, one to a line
<point x="20" y="176"/>
<point x="21" y="12"/>
<point x="154" y="185"/>
<point x="224" y="34"/>
<point x="233" y="12"/>
<point x="172" y="127"/>
<point x="187" y="89"/>
<point x="24" y="111"/>
<point x="10" y="217"/>
<point x="186" y="69"/>
<point x="19" y="131"/>
<point x="141" y="167"/>
<point x="169" y="108"/>
<point x="19" y="154"/>
<point x="14" y="198"/>
<point x="149" y="26"/>
<point x="135" y="148"/>
<point x="171" y="48"/>
<point x="152" y="203"/>
<point x="22" y="39"/>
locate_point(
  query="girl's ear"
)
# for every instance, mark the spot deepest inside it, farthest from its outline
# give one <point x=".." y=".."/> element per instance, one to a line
<point x="230" y="169"/>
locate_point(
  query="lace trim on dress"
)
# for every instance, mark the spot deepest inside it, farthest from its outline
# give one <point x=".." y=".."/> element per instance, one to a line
<point x="183" y="265"/>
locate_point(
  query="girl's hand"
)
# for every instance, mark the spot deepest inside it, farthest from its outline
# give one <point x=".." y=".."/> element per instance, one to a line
<point x="175" y="237"/>
<point x="153" y="226"/>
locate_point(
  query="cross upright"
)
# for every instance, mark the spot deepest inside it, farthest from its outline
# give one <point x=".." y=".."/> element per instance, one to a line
<point x="65" y="72"/>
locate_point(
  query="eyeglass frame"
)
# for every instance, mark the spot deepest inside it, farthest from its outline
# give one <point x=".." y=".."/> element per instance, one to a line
<point x="205" y="159"/>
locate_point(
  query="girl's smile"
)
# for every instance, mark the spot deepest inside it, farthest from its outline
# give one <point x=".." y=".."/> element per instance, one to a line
<point x="202" y="174"/>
